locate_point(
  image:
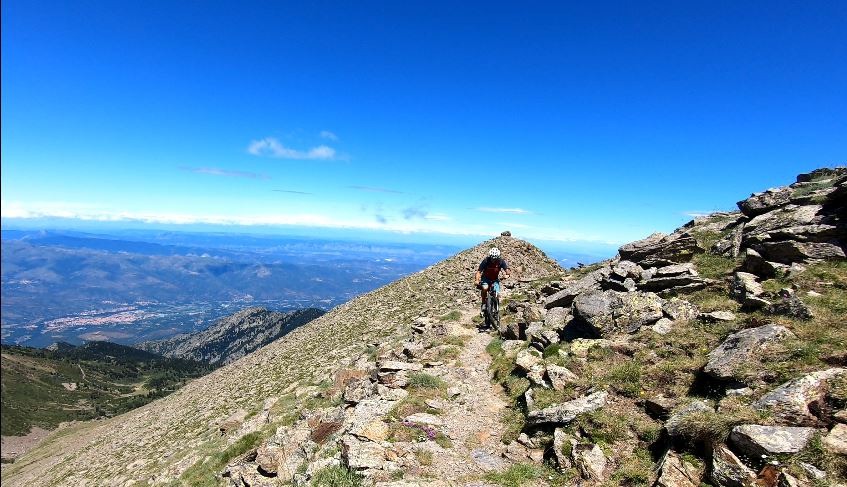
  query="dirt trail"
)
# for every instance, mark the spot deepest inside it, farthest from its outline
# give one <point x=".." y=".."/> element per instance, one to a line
<point x="472" y="421"/>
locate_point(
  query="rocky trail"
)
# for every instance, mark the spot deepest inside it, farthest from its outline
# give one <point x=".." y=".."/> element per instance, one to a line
<point x="473" y="421"/>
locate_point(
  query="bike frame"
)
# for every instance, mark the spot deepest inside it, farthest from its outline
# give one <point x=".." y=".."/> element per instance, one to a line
<point x="492" y="306"/>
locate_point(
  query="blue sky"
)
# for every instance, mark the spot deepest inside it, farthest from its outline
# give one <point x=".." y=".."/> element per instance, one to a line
<point x="567" y="122"/>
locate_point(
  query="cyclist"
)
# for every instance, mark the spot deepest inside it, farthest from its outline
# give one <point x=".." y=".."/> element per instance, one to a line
<point x="489" y="273"/>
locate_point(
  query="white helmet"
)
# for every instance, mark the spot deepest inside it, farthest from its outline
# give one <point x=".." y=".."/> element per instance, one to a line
<point x="494" y="253"/>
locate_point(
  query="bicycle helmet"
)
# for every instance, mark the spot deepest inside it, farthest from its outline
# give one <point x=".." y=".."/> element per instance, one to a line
<point x="494" y="253"/>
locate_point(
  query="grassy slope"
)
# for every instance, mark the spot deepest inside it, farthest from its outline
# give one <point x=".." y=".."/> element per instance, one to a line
<point x="117" y="379"/>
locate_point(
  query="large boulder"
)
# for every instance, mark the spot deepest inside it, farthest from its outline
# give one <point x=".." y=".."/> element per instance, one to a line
<point x="360" y="418"/>
<point x="758" y="441"/>
<point x="730" y="244"/>
<point x="780" y="221"/>
<point x="610" y="312"/>
<point x="566" y="412"/>
<point x="787" y="303"/>
<point x="754" y="263"/>
<point x="659" y="249"/>
<point x="797" y="401"/>
<point x="571" y="290"/>
<point x="788" y="252"/>
<point x="563" y="444"/>
<point x="759" y="203"/>
<point x="727" y="361"/>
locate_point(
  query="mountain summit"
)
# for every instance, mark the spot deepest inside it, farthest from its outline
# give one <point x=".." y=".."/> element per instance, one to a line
<point x="714" y="354"/>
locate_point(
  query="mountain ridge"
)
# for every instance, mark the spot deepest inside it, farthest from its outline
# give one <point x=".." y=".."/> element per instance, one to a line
<point x="232" y="337"/>
<point x="238" y="385"/>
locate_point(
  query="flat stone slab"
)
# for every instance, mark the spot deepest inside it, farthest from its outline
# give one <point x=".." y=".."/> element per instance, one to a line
<point x="739" y="348"/>
<point x="759" y="441"/>
<point x="566" y="412"/>
<point x="396" y="365"/>
<point x="486" y="461"/>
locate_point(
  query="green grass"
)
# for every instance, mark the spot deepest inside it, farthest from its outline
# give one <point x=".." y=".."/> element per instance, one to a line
<point x="547" y="397"/>
<point x="336" y="476"/>
<point x="816" y="454"/>
<point x="516" y="475"/>
<point x="454" y="315"/>
<point x="424" y="457"/>
<point x="713" y="427"/>
<point x="626" y="378"/>
<point x="637" y="469"/>
<point x="513" y="422"/>
<point x="603" y="428"/>
<point x="709" y="300"/>
<point x="714" y="266"/>
<point x="203" y="473"/>
<point x="552" y="350"/>
<point x="811" y="188"/>
<point x="443" y="440"/>
<point x="422" y="380"/>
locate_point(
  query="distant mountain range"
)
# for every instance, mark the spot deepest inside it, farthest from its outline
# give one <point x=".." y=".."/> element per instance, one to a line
<point x="73" y="286"/>
<point x="232" y="337"/>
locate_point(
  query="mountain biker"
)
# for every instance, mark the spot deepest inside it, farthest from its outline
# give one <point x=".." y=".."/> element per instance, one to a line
<point x="489" y="273"/>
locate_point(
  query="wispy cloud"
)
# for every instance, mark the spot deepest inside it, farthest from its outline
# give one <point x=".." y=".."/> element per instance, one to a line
<point x="415" y="211"/>
<point x="513" y="211"/>
<point x="696" y="214"/>
<point x="290" y="191"/>
<point x="326" y="134"/>
<point x="372" y="189"/>
<point x="216" y="171"/>
<point x="437" y="217"/>
<point x="271" y="147"/>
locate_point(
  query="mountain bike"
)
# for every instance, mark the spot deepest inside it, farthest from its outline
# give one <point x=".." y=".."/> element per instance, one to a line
<point x="491" y="312"/>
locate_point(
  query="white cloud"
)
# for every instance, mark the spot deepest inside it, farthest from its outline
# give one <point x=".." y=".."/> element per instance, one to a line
<point x="326" y="134"/>
<point x="437" y="217"/>
<point x="697" y="214"/>
<point x="271" y="147"/>
<point x="513" y="211"/>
